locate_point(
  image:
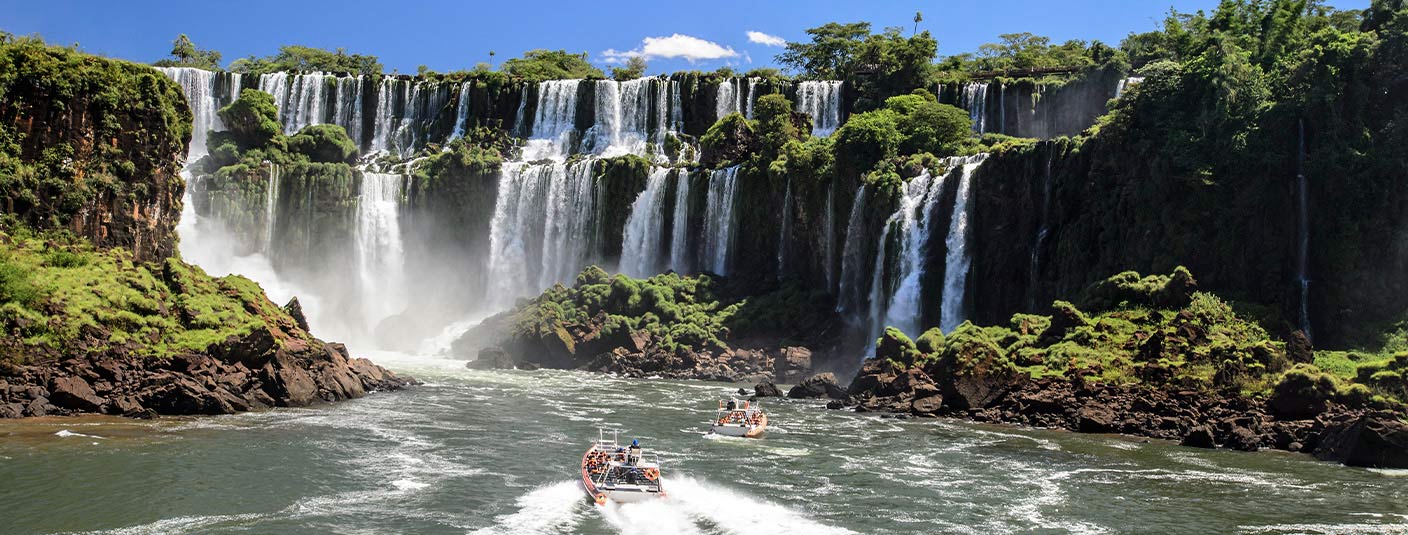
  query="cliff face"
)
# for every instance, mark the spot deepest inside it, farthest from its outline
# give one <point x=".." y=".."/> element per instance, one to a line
<point x="1239" y="204"/>
<point x="94" y="146"/>
<point x="99" y="314"/>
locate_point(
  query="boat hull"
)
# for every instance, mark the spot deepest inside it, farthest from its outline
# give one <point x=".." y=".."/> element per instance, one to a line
<point x="754" y="431"/>
<point x="601" y="495"/>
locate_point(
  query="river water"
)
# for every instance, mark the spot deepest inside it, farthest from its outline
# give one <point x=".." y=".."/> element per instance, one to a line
<point x="483" y="452"/>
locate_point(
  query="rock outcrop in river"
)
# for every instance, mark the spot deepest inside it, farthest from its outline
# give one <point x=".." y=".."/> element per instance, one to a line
<point x="1149" y="357"/>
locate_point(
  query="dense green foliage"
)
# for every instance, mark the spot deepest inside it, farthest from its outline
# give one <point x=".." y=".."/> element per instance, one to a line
<point x="307" y="59"/>
<point x="78" y="130"/>
<point x="541" y="64"/>
<point x="59" y="296"/>
<point x="634" y="68"/>
<point x="1157" y="331"/>
<point x="678" y="312"/>
<point x="878" y="65"/>
<point x="185" y="54"/>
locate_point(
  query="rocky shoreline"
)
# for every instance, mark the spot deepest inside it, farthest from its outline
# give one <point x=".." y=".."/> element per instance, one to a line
<point x="1336" y="433"/>
<point x="296" y="375"/>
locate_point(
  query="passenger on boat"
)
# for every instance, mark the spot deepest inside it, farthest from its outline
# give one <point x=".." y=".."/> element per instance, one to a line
<point x="634" y="456"/>
<point x="732" y="404"/>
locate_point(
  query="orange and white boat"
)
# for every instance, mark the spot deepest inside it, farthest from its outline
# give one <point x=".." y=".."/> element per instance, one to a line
<point x="740" y="419"/>
<point x="611" y="472"/>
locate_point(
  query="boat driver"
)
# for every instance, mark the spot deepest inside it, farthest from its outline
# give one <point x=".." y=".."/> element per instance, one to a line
<point x="634" y="452"/>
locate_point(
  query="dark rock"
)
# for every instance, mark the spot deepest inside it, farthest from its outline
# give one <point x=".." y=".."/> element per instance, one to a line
<point x="767" y="389"/>
<point x="295" y="309"/>
<point x="11" y="410"/>
<point x="835" y="404"/>
<point x="819" y="385"/>
<point x="1374" y="440"/>
<point x="928" y="405"/>
<point x="492" y="358"/>
<point x="792" y="364"/>
<point x="39" y="407"/>
<point x="74" y="393"/>
<point x="1199" y="437"/>
<point x="1243" y="439"/>
<point x="974" y="391"/>
<point x="1095" y="419"/>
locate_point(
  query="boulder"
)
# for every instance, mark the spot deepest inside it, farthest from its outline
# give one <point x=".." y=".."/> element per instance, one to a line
<point x="491" y="358"/>
<point x="1095" y="418"/>
<point x="767" y="389"/>
<point x="1199" y="437"/>
<point x="928" y="405"/>
<point x="74" y="393"/>
<point x="1375" y="440"/>
<point x="974" y="391"/>
<point x="816" y="386"/>
<point x="1243" y="439"/>
<point x="11" y="410"/>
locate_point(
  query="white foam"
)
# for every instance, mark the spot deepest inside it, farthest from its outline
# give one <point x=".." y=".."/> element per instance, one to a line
<point x="552" y="508"/>
<point x="66" y="433"/>
<point x="735" y="512"/>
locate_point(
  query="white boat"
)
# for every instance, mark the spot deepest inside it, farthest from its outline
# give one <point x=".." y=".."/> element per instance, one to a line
<point x="739" y="419"/>
<point x="611" y="472"/>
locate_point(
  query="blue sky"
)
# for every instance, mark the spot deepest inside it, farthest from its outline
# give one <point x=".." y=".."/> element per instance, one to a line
<point x="453" y="35"/>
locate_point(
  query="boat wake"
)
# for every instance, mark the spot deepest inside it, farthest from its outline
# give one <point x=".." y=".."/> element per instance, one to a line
<point x="553" y="508"/>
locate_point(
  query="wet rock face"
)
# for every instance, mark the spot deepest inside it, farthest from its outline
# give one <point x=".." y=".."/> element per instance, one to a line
<point x="818" y="386"/>
<point x="298" y="374"/>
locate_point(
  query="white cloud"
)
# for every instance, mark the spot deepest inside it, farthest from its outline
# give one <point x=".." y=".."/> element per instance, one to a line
<point x="688" y="47"/>
<point x="765" y="39"/>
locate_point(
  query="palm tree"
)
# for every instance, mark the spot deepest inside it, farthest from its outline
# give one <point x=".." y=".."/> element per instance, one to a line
<point x="918" y="17"/>
<point x="491" y="60"/>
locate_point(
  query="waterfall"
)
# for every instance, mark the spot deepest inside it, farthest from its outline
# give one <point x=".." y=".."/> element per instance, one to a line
<point x="202" y="93"/>
<point x="719" y="219"/>
<point x="1042" y="230"/>
<point x="271" y="210"/>
<point x="726" y="98"/>
<point x="554" y="122"/>
<point x="1127" y="83"/>
<point x="1303" y="231"/>
<point x="751" y="98"/>
<point x="462" y="110"/>
<point x="821" y="100"/>
<point x="378" y="247"/>
<point x="568" y="236"/>
<point x="829" y="245"/>
<point x="910" y="227"/>
<point x="679" y="235"/>
<point x="642" y="244"/>
<point x="975" y="94"/>
<point x="1001" y="108"/>
<point x="848" y="300"/>
<point x="405" y="110"/>
<point x="957" y="261"/>
<point x="786" y="234"/>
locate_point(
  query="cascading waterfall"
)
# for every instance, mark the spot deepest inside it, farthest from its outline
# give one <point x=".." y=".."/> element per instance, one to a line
<point x="822" y="101"/>
<point x="848" y="301"/>
<point x="786" y="234"/>
<point x="1303" y="231"/>
<point x="542" y="231"/>
<point x="829" y="247"/>
<point x="568" y="240"/>
<point x="719" y="215"/>
<point x="404" y="110"/>
<point x="643" y="243"/>
<point x="554" y="121"/>
<point x="726" y="99"/>
<point x="379" y="250"/>
<point x="201" y="91"/>
<point x="909" y="226"/>
<point x="462" y="110"/>
<point x="679" y="235"/>
<point x="957" y="261"/>
<point x="271" y="209"/>
<point x="975" y="94"/>
<point x="751" y="98"/>
<point x="1042" y="230"/>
